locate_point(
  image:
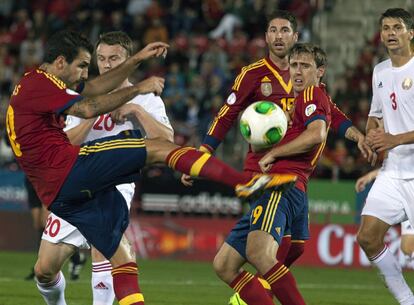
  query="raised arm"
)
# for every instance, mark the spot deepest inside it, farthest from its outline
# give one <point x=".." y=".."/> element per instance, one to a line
<point x="92" y="107"/>
<point x="152" y="127"/>
<point x="78" y="133"/>
<point x="110" y="80"/>
<point x="315" y="134"/>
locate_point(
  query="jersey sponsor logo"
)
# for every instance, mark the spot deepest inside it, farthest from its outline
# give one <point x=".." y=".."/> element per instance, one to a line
<point x="266" y="88"/>
<point x="71" y="92"/>
<point x="407" y="83"/>
<point x="310" y="109"/>
<point x="231" y="99"/>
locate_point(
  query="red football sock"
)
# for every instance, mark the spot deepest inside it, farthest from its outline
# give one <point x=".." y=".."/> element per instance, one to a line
<point x="283" y="249"/>
<point x="250" y="289"/>
<point x="126" y="286"/>
<point x="296" y="250"/>
<point x="282" y="252"/>
<point x="196" y="163"/>
<point x="284" y="285"/>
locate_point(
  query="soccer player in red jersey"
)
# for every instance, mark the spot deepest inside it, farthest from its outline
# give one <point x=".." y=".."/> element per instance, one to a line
<point x="74" y="182"/>
<point x="269" y="79"/>
<point x="256" y="237"/>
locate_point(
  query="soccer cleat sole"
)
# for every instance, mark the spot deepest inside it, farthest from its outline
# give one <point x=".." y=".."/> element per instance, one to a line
<point x="264" y="183"/>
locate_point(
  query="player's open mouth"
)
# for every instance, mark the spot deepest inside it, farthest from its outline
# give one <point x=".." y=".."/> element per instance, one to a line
<point x="279" y="44"/>
<point x="298" y="81"/>
<point x="392" y="41"/>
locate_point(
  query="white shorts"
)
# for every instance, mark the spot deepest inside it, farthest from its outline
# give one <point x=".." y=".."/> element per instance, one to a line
<point x="407" y="228"/>
<point x="391" y="200"/>
<point x="58" y="230"/>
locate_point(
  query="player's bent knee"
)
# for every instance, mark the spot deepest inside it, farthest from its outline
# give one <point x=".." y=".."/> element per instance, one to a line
<point x="254" y="256"/>
<point x="220" y="266"/>
<point x="369" y="241"/>
<point x="43" y="273"/>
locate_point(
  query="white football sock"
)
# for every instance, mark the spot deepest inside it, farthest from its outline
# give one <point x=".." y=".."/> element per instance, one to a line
<point x="102" y="283"/>
<point x="53" y="292"/>
<point x="391" y="272"/>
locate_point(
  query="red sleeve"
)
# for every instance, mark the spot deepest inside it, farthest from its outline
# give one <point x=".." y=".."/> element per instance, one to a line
<point x="237" y="101"/>
<point x="340" y="122"/>
<point x="315" y="106"/>
<point x="50" y="94"/>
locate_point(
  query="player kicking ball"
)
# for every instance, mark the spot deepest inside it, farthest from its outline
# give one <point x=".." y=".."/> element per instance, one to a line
<point x="74" y="182"/>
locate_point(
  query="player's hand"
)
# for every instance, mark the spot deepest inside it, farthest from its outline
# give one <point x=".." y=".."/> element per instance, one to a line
<point x="289" y="120"/>
<point x="361" y="183"/>
<point x="267" y="161"/>
<point x="152" y="84"/>
<point x="153" y="49"/>
<point x="120" y="115"/>
<point x="364" y="148"/>
<point x="382" y="141"/>
<point x="187" y="180"/>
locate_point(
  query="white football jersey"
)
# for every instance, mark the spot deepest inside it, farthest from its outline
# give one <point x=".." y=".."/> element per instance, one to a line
<point x="393" y="100"/>
<point x="104" y="126"/>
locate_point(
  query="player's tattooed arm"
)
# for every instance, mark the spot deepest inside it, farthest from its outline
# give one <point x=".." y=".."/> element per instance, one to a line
<point x="110" y="80"/>
<point x="92" y="107"/>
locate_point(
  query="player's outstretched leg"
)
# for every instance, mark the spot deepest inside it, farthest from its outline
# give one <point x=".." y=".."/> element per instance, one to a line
<point x="196" y="163"/>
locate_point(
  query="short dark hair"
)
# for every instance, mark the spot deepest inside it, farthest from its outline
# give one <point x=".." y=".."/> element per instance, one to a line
<point x="398" y="13"/>
<point x="117" y="37"/>
<point x="281" y="14"/>
<point x="66" y="43"/>
<point x="318" y="54"/>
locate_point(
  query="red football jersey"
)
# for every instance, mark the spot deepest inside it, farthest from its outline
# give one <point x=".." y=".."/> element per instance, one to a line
<point x="311" y="104"/>
<point x="35" y="129"/>
<point x="262" y="80"/>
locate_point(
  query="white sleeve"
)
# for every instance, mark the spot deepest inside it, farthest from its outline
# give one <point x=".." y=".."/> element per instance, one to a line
<point x="154" y="105"/>
<point x="376" y="105"/>
<point x="71" y="122"/>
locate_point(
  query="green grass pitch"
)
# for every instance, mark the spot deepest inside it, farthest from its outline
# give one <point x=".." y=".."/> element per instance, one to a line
<point x="169" y="282"/>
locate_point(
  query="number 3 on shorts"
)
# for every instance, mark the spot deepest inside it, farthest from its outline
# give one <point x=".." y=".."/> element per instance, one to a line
<point x="256" y="214"/>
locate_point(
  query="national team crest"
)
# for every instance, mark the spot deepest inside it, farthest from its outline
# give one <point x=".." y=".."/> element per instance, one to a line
<point x="266" y="88"/>
<point x="407" y="83"/>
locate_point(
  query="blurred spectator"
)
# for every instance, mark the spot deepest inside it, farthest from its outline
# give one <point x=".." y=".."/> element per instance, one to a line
<point x="232" y="19"/>
<point x="31" y="51"/>
<point x="138" y="7"/>
<point x="157" y="31"/>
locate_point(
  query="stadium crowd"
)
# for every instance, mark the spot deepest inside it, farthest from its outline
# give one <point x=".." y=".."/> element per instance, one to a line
<point x="209" y="43"/>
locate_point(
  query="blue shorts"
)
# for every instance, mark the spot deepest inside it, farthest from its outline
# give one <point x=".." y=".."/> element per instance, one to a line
<point x="274" y="213"/>
<point x="99" y="210"/>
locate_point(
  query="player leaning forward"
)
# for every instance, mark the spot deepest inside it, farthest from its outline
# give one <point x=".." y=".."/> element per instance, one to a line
<point x="73" y="181"/>
<point x="391" y="199"/>
<point x="60" y="238"/>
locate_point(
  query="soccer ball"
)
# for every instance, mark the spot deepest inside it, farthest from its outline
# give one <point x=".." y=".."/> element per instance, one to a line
<point x="263" y="124"/>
